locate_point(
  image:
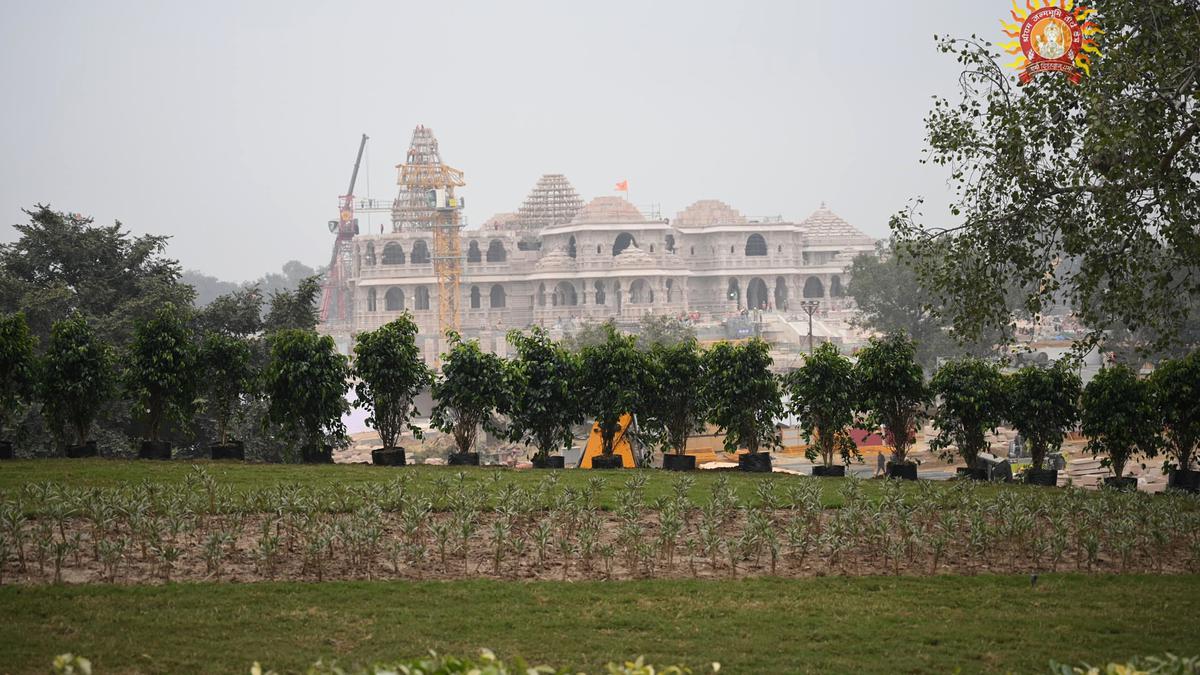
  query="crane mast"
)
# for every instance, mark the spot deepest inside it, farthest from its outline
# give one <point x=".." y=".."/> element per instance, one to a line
<point x="336" y="295"/>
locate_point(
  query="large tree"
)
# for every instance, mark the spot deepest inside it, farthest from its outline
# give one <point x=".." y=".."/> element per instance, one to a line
<point x="1089" y="191"/>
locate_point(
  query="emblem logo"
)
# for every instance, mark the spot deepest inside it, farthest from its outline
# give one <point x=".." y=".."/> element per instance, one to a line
<point x="1051" y="36"/>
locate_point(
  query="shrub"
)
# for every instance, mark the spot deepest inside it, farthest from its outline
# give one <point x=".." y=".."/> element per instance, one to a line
<point x="390" y="376"/>
<point x="970" y="394"/>
<point x="1118" y="417"/>
<point x="160" y="371"/>
<point x="305" y="383"/>
<point x="743" y="394"/>
<point x="1175" y="388"/>
<point x="543" y="383"/>
<point x="823" y="395"/>
<point x="77" y="377"/>
<point x="225" y="361"/>
<point x="614" y="381"/>
<point x="468" y="392"/>
<point x="674" y="404"/>
<point x="17" y="378"/>
<point x="892" y="390"/>
<point x="1042" y="405"/>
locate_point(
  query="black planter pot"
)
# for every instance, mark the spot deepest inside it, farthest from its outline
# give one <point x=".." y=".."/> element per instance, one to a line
<point x="154" y="450"/>
<point x="903" y="471"/>
<point x="971" y="473"/>
<point x="549" y="462"/>
<point x="607" y="462"/>
<point x="231" y="450"/>
<point x="6" y="450"/>
<point x="80" y="451"/>
<point x="755" y="462"/>
<point x="463" y="459"/>
<point x="1183" y="479"/>
<point x="835" y="471"/>
<point x="672" y="462"/>
<point x="1046" y="477"/>
<point x="1124" y="483"/>
<point x="388" y="457"/>
<point x="322" y="455"/>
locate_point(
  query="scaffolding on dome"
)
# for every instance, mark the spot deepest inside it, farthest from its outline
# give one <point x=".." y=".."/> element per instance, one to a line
<point x="426" y="201"/>
<point x="553" y="201"/>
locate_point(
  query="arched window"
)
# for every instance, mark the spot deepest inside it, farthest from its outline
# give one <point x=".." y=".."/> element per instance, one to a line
<point x="835" y="287"/>
<point x="670" y="243"/>
<point x="571" y="247"/>
<point x="623" y="241"/>
<point x="496" y="252"/>
<point x="370" y="299"/>
<point x="731" y="249"/>
<point x="420" y="253"/>
<point x="474" y="297"/>
<point x="599" y="286"/>
<point x="779" y="248"/>
<point x="422" y="301"/>
<point x="756" y="294"/>
<point x="393" y="254"/>
<point x="640" y="293"/>
<point x="755" y="245"/>
<point x="497" y="296"/>
<point x="652" y="248"/>
<point x="597" y="249"/>
<point x="393" y="300"/>
<point x="473" y="254"/>
<point x="541" y="295"/>
<point x="564" y="294"/>
<point x="670" y="290"/>
<point x="693" y="250"/>
<point x="371" y="253"/>
<point x="781" y="293"/>
<point x="813" y="288"/>
<point x="734" y="292"/>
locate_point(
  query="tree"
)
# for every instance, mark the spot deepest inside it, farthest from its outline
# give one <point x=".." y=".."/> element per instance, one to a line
<point x="589" y="334"/>
<point x="543" y="384"/>
<point x="824" y="395"/>
<point x="1175" y="388"/>
<point x="743" y="394"/>
<point x="655" y="329"/>
<point x="160" y="371"/>
<point x="305" y="383"/>
<point x="892" y="390"/>
<point x="468" y="392"/>
<point x="61" y="263"/>
<point x="294" y="309"/>
<point x="674" y="405"/>
<point x="390" y="375"/>
<point x="226" y="362"/>
<point x="17" y="365"/>
<point x="1118" y="417"/>
<point x="236" y="313"/>
<point x="1043" y="404"/>
<point x="970" y="403"/>
<point x="891" y="297"/>
<point x="1088" y="190"/>
<point x="614" y="381"/>
<point x="77" y="376"/>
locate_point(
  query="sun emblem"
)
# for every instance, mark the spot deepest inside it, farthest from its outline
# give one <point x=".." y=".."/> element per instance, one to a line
<point x="1051" y="36"/>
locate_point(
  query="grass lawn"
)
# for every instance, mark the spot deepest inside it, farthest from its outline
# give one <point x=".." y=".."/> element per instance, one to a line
<point x="108" y="473"/>
<point x="868" y="624"/>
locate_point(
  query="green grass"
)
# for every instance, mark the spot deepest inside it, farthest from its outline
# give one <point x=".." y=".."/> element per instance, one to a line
<point x="110" y="473"/>
<point x="870" y="624"/>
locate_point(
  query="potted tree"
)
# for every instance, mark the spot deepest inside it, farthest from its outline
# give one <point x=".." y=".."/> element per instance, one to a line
<point x="1175" y="387"/>
<point x="226" y="362"/>
<point x="160" y="374"/>
<point x="614" y="380"/>
<point x="823" y="397"/>
<point x="467" y="394"/>
<point x="76" y="379"/>
<point x="543" y="402"/>
<point x="1043" y="404"/>
<point x="970" y="403"/>
<point x="1119" y="421"/>
<point x="744" y="400"/>
<point x="390" y="375"/>
<point x="16" y="373"/>
<point x="674" y="404"/>
<point x="305" y="385"/>
<point x="892" y="390"/>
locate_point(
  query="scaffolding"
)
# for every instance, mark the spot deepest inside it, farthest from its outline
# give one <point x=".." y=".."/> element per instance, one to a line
<point x="553" y="201"/>
<point x="426" y="201"/>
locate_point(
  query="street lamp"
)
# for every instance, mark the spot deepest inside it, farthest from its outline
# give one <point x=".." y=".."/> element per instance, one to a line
<point x="809" y="307"/>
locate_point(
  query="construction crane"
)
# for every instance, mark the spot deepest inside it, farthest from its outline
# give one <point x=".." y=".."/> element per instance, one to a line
<point x="336" y="296"/>
<point x="426" y="201"/>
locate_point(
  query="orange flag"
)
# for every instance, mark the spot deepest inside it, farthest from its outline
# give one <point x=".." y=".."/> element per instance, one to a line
<point x="623" y="186"/>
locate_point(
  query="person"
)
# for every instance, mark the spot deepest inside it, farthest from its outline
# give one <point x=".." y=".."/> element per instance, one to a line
<point x="879" y="464"/>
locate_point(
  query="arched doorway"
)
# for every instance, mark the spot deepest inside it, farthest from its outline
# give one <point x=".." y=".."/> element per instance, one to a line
<point x="755" y="245"/>
<point x="420" y="252"/>
<point x="496" y="252"/>
<point x="474" y="297"/>
<point x="599" y="292"/>
<point x="571" y="247"/>
<point x="393" y="300"/>
<point x="623" y="241"/>
<point x="640" y="293"/>
<point x="473" y="254"/>
<point x="564" y="294"/>
<point x="780" y="293"/>
<point x="835" y="287"/>
<point x="497" y="296"/>
<point x="422" y="301"/>
<point x="393" y="254"/>
<point x="813" y="288"/>
<point x="756" y="294"/>
<point x="734" y="293"/>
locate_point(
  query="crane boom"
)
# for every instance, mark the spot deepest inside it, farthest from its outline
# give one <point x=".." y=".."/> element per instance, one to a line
<point x="354" y="176"/>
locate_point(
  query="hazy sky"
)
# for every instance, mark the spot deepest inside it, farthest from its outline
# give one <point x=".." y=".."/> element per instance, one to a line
<point x="233" y="126"/>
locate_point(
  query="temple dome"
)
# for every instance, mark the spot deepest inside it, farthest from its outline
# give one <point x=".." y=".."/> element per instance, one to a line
<point x="826" y="223"/>
<point x="609" y="210"/>
<point x="632" y="256"/>
<point x="709" y="212"/>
